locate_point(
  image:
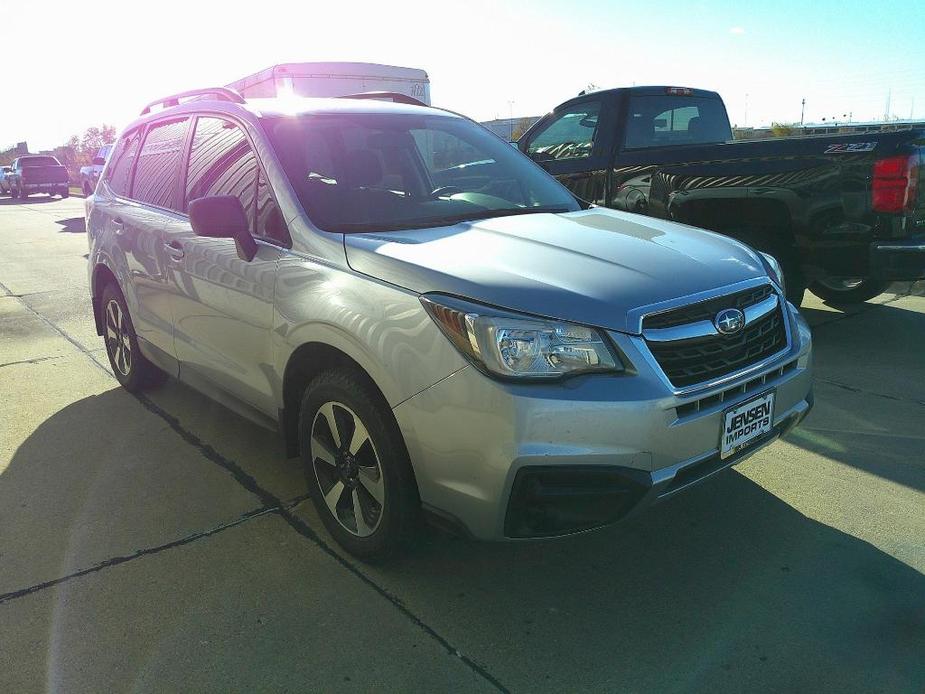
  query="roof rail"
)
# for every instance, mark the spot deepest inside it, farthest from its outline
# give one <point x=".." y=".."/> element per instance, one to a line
<point x="396" y="97"/>
<point x="221" y="93"/>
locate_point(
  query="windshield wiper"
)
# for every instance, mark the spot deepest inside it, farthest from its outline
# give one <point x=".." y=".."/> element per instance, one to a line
<point x="446" y="220"/>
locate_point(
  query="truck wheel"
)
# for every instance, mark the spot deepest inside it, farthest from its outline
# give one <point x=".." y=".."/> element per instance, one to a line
<point x="64" y="192"/>
<point x="88" y="191"/>
<point x="847" y="290"/>
<point x="13" y="193"/>
<point x="356" y="465"/>
<point x="22" y="193"/>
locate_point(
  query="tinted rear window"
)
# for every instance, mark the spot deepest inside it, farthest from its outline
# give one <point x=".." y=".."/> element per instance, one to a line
<point x="38" y="161"/>
<point x="120" y="170"/>
<point x="660" y="121"/>
<point x="158" y="168"/>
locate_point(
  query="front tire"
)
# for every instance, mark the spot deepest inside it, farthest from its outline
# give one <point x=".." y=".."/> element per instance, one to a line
<point x="129" y="365"/>
<point x="356" y="465"/>
<point x="848" y="290"/>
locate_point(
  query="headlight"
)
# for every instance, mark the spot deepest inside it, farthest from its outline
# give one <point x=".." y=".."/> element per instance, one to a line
<point x="774" y="270"/>
<point x="515" y="346"/>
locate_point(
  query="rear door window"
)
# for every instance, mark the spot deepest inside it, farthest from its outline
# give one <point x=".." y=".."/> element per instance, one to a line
<point x="120" y="171"/>
<point x="661" y="121"/>
<point x="570" y="135"/>
<point x="158" y="168"/>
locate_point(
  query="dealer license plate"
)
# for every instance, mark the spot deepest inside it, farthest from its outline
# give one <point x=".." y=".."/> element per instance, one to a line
<point x="745" y="423"/>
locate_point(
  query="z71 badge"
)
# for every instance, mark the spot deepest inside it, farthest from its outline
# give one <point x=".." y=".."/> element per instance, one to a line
<point x="849" y="147"/>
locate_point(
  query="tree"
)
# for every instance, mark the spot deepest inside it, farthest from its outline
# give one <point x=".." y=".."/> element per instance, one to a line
<point x="782" y="130"/>
<point x="523" y="125"/>
<point x="79" y="150"/>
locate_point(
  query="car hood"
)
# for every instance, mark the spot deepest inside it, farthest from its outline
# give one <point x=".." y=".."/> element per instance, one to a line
<point x="589" y="267"/>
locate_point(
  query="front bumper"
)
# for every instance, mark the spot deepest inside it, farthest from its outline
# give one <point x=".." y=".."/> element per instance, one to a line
<point x="899" y="259"/>
<point x="506" y="460"/>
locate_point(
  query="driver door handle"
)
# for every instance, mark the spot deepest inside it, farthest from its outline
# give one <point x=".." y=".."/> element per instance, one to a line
<point x="174" y="250"/>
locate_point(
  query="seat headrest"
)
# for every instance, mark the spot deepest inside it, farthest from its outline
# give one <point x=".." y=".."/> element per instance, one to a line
<point x="363" y="168"/>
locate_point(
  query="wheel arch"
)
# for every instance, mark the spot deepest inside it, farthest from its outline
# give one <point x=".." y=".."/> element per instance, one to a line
<point x="102" y="276"/>
<point x="305" y="363"/>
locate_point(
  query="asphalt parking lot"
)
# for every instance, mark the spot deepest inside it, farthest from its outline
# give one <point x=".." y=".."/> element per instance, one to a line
<point x="162" y="543"/>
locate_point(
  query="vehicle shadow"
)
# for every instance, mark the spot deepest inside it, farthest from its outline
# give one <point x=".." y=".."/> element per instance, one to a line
<point x="36" y="199"/>
<point x="725" y="585"/>
<point x="868" y="411"/>
<point x="74" y="225"/>
<point x="105" y="476"/>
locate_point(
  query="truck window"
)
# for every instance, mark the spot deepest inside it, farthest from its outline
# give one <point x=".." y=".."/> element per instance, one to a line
<point x="569" y="135"/>
<point x="26" y="162"/>
<point x="659" y="121"/>
<point x="159" y="164"/>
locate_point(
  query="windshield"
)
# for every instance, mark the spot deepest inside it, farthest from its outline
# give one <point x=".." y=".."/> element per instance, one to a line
<point x="664" y="120"/>
<point x="363" y="172"/>
<point x="38" y="161"/>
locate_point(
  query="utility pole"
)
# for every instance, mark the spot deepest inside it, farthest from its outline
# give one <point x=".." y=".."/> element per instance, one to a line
<point x="510" y="105"/>
<point x="802" y="110"/>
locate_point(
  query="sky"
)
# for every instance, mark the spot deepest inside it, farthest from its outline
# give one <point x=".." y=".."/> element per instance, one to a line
<point x="69" y="65"/>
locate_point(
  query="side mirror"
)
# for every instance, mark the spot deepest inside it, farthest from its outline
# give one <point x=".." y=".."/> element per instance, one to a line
<point x="222" y="217"/>
<point x="98" y="161"/>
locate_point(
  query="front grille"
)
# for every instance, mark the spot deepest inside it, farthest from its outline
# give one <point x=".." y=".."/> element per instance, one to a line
<point x="706" y="310"/>
<point x="701" y="359"/>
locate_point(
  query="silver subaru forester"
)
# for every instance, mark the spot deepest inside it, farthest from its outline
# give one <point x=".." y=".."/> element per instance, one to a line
<point x="436" y="326"/>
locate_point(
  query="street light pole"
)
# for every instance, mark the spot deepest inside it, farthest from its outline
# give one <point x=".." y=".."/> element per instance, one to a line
<point x="510" y="119"/>
<point x="802" y="111"/>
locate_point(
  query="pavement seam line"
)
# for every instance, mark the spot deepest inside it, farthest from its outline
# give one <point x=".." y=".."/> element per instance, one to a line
<point x="35" y="360"/>
<point x="271" y="502"/>
<point x="855" y="389"/>
<point x="116" y="561"/>
<point x="867" y="309"/>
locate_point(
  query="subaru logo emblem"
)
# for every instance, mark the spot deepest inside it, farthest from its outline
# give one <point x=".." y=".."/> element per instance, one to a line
<point x="729" y="321"/>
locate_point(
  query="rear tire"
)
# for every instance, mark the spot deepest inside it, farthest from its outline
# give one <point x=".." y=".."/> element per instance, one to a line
<point x="128" y="364"/>
<point x="357" y="466"/>
<point x="848" y="290"/>
<point x="22" y="193"/>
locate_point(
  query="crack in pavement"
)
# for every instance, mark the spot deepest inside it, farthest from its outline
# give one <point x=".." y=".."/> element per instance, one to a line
<point x="868" y="308"/>
<point x="115" y="561"/>
<point x="271" y="504"/>
<point x="854" y="389"/>
<point x="36" y="360"/>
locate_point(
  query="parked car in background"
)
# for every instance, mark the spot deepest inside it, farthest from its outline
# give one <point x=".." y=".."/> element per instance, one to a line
<point x="433" y="322"/>
<point x="4" y="180"/>
<point x="37" y="173"/>
<point x="844" y="214"/>
<point x="89" y="175"/>
<point x="334" y="79"/>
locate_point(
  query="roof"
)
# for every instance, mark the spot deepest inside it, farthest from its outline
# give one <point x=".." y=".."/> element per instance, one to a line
<point x="294" y="106"/>
<point x="647" y="90"/>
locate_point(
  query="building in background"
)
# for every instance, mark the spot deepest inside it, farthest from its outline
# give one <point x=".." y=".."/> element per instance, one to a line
<point x="511" y="128"/>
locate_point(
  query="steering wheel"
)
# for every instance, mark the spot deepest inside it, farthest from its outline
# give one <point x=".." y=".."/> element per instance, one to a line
<point x="445" y="191"/>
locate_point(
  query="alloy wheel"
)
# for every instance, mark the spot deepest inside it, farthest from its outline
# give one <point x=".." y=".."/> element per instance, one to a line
<point x="118" y="339"/>
<point x="347" y="468"/>
<point x="841" y="284"/>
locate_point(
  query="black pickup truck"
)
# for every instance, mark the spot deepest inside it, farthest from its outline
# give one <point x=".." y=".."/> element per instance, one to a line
<point x="844" y="215"/>
<point x="37" y="173"/>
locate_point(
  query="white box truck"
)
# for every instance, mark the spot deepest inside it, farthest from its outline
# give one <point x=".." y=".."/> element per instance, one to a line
<point x="333" y="79"/>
